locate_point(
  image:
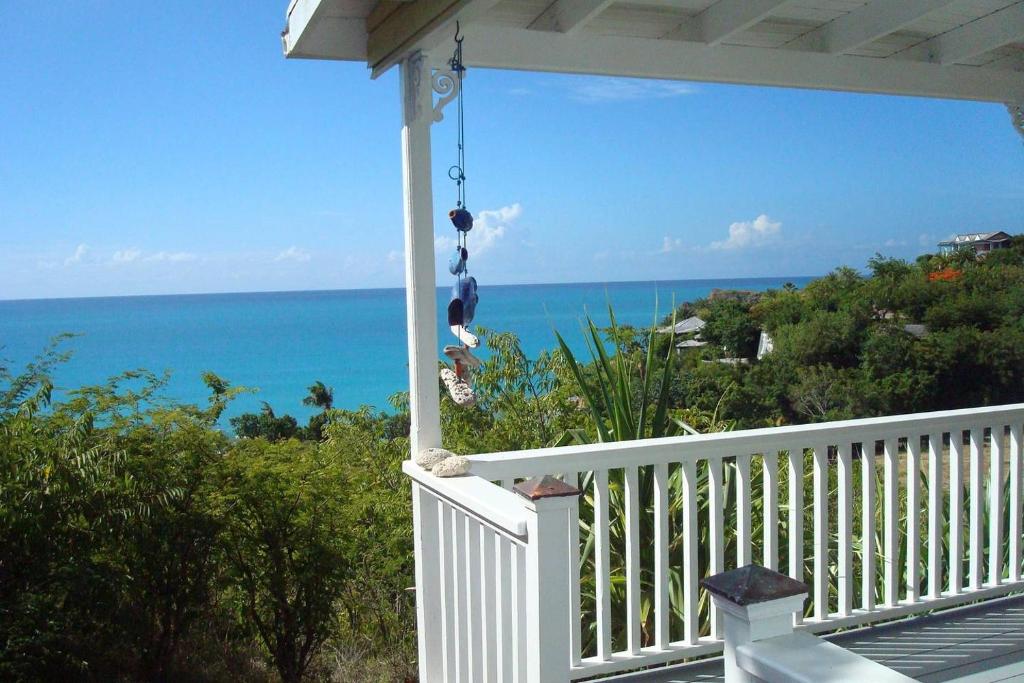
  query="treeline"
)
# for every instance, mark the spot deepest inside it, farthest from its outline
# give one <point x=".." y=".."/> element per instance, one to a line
<point x="944" y="332"/>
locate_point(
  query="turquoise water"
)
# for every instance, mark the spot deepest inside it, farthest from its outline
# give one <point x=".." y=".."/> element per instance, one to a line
<point x="281" y="342"/>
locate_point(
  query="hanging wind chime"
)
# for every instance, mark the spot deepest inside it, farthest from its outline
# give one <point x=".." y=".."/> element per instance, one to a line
<point x="462" y="306"/>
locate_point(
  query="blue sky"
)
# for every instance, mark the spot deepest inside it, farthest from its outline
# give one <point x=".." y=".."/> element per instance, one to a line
<point x="169" y="147"/>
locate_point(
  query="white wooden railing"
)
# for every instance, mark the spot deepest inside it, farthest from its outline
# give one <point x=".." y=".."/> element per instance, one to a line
<point x="499" y="577"/>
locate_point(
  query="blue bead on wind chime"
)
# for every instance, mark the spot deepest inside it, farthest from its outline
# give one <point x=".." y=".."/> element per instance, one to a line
<point x="462" y="306"/>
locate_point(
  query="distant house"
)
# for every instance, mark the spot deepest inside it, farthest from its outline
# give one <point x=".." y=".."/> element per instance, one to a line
<point x="691" y="344"/>
<point x="690" y="325"/>
<point x="980" y="242"/>
<point x="765" y="345"/>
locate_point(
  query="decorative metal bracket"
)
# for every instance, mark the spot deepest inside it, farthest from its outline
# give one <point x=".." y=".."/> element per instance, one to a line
<point x="1017" y="116"/>
<point x="446" y="84"/>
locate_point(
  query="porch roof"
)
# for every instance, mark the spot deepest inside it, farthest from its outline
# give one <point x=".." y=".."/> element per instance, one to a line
<point x="958" y="49"/>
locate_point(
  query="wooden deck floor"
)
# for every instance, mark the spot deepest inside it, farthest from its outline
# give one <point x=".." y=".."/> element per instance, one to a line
<point x="975" y="644"/>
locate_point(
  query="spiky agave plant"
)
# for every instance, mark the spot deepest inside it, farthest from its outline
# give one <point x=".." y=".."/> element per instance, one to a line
<point x="627" y="396"/>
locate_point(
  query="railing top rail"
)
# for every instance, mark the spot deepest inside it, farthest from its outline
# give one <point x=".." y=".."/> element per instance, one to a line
<point x="541" y="461"/>
<point x="499" y="507"/>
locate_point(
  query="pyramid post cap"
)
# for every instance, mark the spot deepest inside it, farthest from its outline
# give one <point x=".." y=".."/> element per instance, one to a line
<point x="545" y="487"/>
<point x="753" y="584"/>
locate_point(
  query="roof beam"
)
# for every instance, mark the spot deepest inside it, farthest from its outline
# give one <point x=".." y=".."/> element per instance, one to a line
<point x="509" y="48"/>
<point x="567" y="16"/>
<point x="866" y="24"/>
<point x="420" y="25"/>
<point x="977" y="37"/>
<point x="724" y="19"/>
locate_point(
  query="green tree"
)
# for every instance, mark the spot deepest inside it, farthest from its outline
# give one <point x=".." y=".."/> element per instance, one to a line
<point x="284" y="525"/>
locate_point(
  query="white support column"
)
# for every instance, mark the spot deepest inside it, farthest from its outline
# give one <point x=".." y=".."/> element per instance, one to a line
<point x="420" y="287"/>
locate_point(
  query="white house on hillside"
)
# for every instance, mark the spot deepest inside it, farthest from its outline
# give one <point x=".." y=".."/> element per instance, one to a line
<point x="981" y="242"/>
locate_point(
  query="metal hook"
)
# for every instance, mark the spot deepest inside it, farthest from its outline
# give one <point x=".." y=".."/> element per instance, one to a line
<point x="458" y="30"/>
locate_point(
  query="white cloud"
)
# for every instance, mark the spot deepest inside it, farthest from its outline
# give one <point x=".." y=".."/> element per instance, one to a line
<point x="894" y="243"/>
<point x="295" y="254"/>
<point x="489" y="226"/>
<point x="81" y="254"/>
<point x="671" y="244"/>
<point x="126" y="255"/>
<point x="171" y="256"/>
<point x="443" y="244"/>
<point x="758" y="232"/>
<point x="595" y="90"/>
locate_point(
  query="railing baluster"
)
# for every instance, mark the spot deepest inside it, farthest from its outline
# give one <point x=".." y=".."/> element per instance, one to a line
<point x="430" y="576"/>
<point x="821" y="573"/>
<point x="891" y="520"/>
<point x="633" y="635"/>
<point x="489" y="609"/>
<point x="450" y="607"/>
<point x="474" y="601"/>
<point x="956" y="511"/>
<point x="575" y="612"/>
<point x="743" y="521"/>
<point x="716" y="533"/>
<point x="935" y="514"/>
<point x="977" y="504"/>
<point x="796" y="516"/>
<point x="845" y="512"/>
<point x="914" y="517"/>
<point x="602" y="566"/>
<point x="1015" y="494"/>
<point x="504" y="615"/>
<point x="520" y="632"/>
<point x="770" y="465"/>
<point x="995" y="507"/>
<point x="868" y="477"/>
<point x="661" y="543"/>
<point x="462" y="634"/>
<point x="691" y="611"/>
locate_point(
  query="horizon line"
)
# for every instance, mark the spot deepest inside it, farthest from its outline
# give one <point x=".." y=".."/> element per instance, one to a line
<point x="402" y="287"/>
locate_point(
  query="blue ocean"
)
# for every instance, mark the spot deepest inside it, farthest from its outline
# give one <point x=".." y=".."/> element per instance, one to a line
<point x="281" y="342"/>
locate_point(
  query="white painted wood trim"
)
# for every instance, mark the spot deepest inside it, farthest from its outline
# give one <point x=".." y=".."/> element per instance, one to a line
<point x="821" y="560"/>
<point x="770" y="530"/>
<point x="568" y="16"/>
<point x="420" y="287"/>
<point x="1015" y="501"/>
<point x="914" y="516"/>
<point x="661" y="546"/>
<point x="866" y="24"/>
<point x="522" y="49"/>
<point x="869" y="473"/>
<point x="726" y="18"/>
<point x="956" y="510"/>
<point x="488" y="503"/>
<point x="935" y="526"/>
<point x="977" y="501"/>
<point x="695" y="448"/>
<point x="429" y="577"/>
<point x="548" y="572"/>
<point x="602" y="565"/>
<point x="691" y="613"/>
<point x="632" y="524"/>
<point x="977" y="37"/>
<point x="716" y="533"/>
<point x="995" y="506"/>
<point x="890" y="461"/>
<point x="845" y="529"/>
